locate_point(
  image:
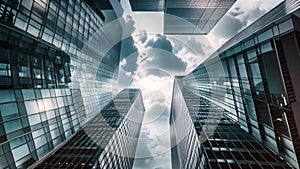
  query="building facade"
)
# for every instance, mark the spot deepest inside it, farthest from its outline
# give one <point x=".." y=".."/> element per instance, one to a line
<point x="254" y="79"/>
<point x="188" y="16"/>
<point x="107" y="141"/>
<point x="57" y="71"/>
<point x="212" y="139"/>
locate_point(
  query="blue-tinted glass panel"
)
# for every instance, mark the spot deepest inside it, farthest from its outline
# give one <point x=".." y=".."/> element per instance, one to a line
<point x="12" y="125"/>
<point x="7" y="96"/>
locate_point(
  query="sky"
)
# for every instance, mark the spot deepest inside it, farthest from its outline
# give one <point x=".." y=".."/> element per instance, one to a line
<point x="150" y="60"/>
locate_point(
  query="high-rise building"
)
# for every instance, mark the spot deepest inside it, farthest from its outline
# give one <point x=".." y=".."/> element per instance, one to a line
<point x="188" y="16"/>
<point x="204" y="136"/>
<point x="253" y="81"/>
<point x="107" y="141"/>
<point x="57" y="71"/>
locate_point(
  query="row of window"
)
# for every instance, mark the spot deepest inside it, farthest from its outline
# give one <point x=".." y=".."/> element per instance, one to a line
<point x="33" y="122"/>
<point x="228" y="143"/>
<point x="250" y="81"/>
<point x="101" y="142"/>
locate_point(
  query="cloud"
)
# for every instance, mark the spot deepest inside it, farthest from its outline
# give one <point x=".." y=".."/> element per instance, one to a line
<point x="191" y="49"/>
<point x="236" y="12"/>
<point x="128" y="26"/>
<point x="130" y="53"/>
<point x="231" y="25"/>
<point x="158" y="53"/>
<point x="196" y="46"/>
<point x="160" y="42"/>
<point x="241" y="15"/>
<point x="143" y="36"/>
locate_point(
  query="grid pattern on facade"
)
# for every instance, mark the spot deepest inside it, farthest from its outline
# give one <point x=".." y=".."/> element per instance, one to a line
<point x="186" y="16"/>
<point x="193" y="17"/>
<point x="42" y="42"/>
<point x="257" y="86"/>
<point x="104" y="140"/>
<point x="28" y="63"/>
<point x="228" y="145"/>
<point x="33" y="122"/>
<point x="66" y="26"/>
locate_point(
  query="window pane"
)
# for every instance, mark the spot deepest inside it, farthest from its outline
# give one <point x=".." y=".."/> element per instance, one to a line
<point x="31" y="107"/>
<point x="8" y="110"/>
<point x="12" y="125"/>
<point x="7" y="96"/>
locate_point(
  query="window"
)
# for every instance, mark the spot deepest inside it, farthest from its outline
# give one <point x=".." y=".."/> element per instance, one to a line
<point x="285" y="26"/>
<point x="13" y="125"/>
<point x="31" y="107"/>
<point x="7" y="96"/>
<point x="8" y="110"/>
<point x="265" y="35"/>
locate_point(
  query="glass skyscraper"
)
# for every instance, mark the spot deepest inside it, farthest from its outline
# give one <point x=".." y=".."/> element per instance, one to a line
<point x="186" y="16"/>
<point x="107" y="141"/>
<point x="51" y="79"/>
<point x="244" y="99"/>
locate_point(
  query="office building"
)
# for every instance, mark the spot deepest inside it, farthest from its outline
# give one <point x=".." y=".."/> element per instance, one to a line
<point x="253" y="81"/>
<point x="212" y="139"/>
<point x="107" y="141"/>
<point x="57" y="71"/>
<point x="188" y="16"/>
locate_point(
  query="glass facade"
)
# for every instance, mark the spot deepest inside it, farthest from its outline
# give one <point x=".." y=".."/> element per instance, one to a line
<point x="107" y="141"/>
<point x="58" y="69"/>
<point x="188" y="16"/>
<point x="252" y="79"/>
<point x="215" y="140"/>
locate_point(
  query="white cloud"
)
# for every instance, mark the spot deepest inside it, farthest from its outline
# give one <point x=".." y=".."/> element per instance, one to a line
<point x="239" y="16"/>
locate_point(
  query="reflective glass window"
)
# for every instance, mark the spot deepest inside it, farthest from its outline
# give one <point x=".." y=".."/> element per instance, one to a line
<point x="285" y="26"/>
<point x="40" y="141"/>
<point x="28" y="94"/>
<point x="27" y="4"/>
<point x="20" y="152"/>
<point x="17" y="142"/>
<point x="9" y="110"/>
<point x="7" y="96"/>
<point x="31" y="107"/>
<point x="12" y="125"/>
<point x="249" y="43"/>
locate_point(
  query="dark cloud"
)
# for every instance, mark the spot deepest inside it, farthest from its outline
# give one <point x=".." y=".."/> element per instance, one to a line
<point x="160" y="55"/>
<point x="143" y="36"/>
<point x="160" y="42"/>
<point x="236" y="12"/>
<point x="129" y="51"/>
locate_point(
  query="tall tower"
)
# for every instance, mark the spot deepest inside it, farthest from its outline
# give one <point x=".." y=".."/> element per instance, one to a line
<point x="251" y="83"/>
<point x="57" y="71"/>
<point x="107" y="141"/>
<point x="188" y="17"/>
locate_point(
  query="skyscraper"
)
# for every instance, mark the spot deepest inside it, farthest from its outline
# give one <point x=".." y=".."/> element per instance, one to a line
<point x="252" y="80"/>
<point x="188" y="16"/>
<point x="55" y="73"/>
<point x="204" y="136"/>
<point x="107" y="141"/>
